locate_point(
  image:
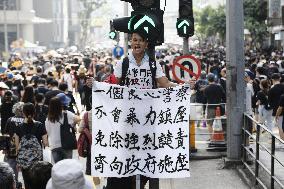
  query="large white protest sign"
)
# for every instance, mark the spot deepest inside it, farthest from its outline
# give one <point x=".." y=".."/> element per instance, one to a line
<point x="140" y="131"/>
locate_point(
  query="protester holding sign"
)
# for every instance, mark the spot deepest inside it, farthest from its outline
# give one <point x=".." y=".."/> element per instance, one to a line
<point x="137" y="70"/>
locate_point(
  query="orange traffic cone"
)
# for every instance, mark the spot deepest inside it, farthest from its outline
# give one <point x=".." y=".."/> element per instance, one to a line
<point x="218" y="134"/>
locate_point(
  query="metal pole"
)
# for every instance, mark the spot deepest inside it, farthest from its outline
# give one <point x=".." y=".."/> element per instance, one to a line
<point x="235" y="78"/>
<point x="185" y="46"/>
<point x="126" y="34"/>
<point x="5" y="27"/>
<point x="153" y="182"/>
<point x="18" y="25"/>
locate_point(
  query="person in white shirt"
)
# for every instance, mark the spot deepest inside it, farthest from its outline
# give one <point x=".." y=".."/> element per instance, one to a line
<point x="67" y="78"/>
<point x="55" y="117"/>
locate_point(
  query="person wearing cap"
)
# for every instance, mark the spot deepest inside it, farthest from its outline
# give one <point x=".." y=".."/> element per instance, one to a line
<point x="55" y="117"/>
<point x="9" y="81"/>
<point x="2" y="68"/>
<point x="214" y="95"/>
<point x="68" y="174"/>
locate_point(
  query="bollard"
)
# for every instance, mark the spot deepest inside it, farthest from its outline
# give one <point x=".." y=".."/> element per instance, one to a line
<point x="192" y="136"/>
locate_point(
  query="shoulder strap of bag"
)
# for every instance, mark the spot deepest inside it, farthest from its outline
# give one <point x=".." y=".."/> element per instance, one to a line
<point x="86" y="120"/>
<point x="65" y="119"/>
<point x="153" y="68"/>
<point x="125" y="66"/>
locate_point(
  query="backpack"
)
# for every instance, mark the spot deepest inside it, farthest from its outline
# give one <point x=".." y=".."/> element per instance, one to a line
<point x="41" y="112"/>
<point x="125" y="65"/>
<point x="30" y="150"/>
<point x="85" y="139"/>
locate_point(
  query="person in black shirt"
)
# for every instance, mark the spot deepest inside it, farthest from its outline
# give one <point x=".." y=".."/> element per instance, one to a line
<point x="199" y="87"/>
<point x="32" y="127"/>
<point x="64" y="89"/>
<point x="214" y="94"/>
<point x="275" y="92"/>
<point x="53" y="92"/>
<point x="41" y="86"/>
<point x="6" y="109"/>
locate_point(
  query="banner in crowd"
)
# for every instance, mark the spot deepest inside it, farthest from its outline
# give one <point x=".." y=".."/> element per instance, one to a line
<point x="140" y="131"/>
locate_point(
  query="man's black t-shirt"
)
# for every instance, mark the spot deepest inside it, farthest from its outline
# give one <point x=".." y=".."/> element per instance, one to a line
<point x="12" y="124"/>
<point x="274" y="95"/>
<point x="5" y="113"/>
<point x="200" y="85"/>
<point x="36" y="128"/>
<point x="9" y="84"/>
<point x="41" y="89"/>
<point x="214" y="94"/>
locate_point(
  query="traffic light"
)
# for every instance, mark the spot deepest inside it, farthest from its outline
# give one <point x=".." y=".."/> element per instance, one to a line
<point x="147" y="19"/>
<point x="114" y="35"/>
<point x="144" y="4"/>
<point x="149" y="23"/>
<point x="185" y="22"/>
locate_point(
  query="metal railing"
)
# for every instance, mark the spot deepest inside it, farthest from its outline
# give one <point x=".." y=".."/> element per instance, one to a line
<point x="252" y="161"/>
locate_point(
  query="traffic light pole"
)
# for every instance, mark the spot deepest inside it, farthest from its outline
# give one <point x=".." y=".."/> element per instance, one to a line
<point x="125" y="9"/>
<point x="153" y="182"/>
<point x="235" y="79"/>
<point x="185" y="46"/>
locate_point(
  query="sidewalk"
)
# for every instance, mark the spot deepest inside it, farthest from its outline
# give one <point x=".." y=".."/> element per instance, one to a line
<point x="206" y="174"/>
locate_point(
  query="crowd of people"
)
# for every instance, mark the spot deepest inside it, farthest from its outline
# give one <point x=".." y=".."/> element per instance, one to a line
<point x="38" y="96"/>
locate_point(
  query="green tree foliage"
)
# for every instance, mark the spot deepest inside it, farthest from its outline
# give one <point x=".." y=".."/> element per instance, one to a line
<point x="211" y="22"/>
<point x="255" y="14"/>
<point x="89" y="6"/>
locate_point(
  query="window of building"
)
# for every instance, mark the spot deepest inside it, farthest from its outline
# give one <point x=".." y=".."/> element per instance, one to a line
<point x="8" y="4"/>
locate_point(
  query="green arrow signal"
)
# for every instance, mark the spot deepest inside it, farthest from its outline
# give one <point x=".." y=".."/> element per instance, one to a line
<point x="142" y="20"/>
<point x="184" y="22"/>
<point x="112" y="35"/>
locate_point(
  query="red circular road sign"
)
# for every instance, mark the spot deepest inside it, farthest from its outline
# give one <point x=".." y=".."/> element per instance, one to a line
<point x="185" y="67"/>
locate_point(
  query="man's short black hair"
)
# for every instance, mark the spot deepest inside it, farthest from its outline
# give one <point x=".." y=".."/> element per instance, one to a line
<point x="39" y="174"/>
<point x="7" y="177"/>
<point x="54" y="83"/>
<point x="275" y="76"/>
<point x="39" y="97"/>
<point x="63" y="86"/>
<point x="141" y="34"/>
<point x="41" y="81"/>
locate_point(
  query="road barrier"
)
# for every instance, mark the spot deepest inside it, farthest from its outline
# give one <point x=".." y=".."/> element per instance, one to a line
<point x="196" y="116"/>
<point x="253" y="161"/>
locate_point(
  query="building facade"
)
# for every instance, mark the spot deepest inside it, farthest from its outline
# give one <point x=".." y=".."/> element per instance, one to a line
<point x="17" y="20"/>
<point x="54" y="34"/>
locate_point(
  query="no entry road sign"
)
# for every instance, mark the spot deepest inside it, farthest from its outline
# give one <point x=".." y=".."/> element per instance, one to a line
<point x="186" y="67"/>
